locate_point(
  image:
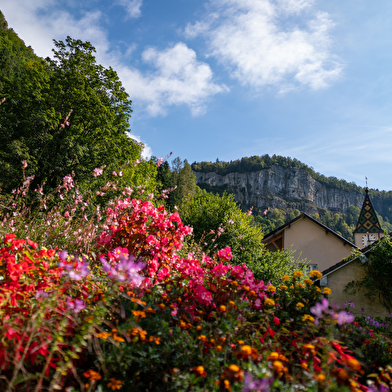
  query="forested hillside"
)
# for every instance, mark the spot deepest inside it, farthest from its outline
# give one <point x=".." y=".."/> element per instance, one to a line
<point x="275" y="204"/>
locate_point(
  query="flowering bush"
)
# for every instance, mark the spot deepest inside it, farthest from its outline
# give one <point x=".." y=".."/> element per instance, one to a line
<point x="141" y="317"/>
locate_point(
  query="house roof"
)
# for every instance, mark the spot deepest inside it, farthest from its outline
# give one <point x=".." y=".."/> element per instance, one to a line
<point x="368" y="221"/>
<point x="277" y="231"/>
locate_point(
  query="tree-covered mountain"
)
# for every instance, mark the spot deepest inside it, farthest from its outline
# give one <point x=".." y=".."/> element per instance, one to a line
<point x="280" y="188"/>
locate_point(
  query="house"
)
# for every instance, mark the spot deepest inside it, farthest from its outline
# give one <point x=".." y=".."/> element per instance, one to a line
<point x="337" y="276"/>
<point x="311" y="240"/>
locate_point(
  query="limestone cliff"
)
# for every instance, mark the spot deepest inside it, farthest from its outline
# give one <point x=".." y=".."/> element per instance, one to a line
<point x="280" y="187"/>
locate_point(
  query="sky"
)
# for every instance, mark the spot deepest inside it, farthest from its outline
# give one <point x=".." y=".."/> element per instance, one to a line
<point x="226" y="79"/>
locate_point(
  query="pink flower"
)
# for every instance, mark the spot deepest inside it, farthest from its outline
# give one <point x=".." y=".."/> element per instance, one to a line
<point x="97" y="171"/>
<point x="24" y="163"/>
<point x="225" y="253"/>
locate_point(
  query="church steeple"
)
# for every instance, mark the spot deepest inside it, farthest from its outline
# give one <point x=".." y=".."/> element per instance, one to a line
<point x="368" y="227"/>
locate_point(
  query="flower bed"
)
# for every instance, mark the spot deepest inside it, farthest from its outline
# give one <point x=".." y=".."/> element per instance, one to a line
<point x="140" y="318"/>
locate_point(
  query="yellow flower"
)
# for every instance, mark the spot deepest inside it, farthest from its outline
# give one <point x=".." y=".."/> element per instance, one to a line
<point x="273" y="356"/>
<point x="246" y="350"/>
<point x="298" y="274"/>
<point x="278" y="366"/>
<point x="115" y="384"/>
<point x="283" y="288"/>
<point x="300" y="305"/>
<point x="308" y="281"/>
<point x="318" y="289"/>
<point x="327" y="291"/>
<point x="308" y="317"/>
<point x="269" y="302"/>
<point x="271" y="288"/>
<point x="285" y="278"/>
<point x="315" y="274"/>
<point x="234" y="368"/>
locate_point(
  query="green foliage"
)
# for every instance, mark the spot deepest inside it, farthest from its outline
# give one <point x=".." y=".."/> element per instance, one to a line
<point x="218" y="222"/>
<point x="377" y="280"/>
<point x="179" y="179"/>
<point x="61" y="115"/>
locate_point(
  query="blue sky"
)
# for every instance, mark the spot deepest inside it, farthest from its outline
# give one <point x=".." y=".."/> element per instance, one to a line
<point x="310" y="79"/>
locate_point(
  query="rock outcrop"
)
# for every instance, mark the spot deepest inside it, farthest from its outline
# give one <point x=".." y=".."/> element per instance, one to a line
<point x="279" y="187"/>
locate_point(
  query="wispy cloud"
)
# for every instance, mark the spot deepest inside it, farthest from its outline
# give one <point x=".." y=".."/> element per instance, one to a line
<point x="132" y="7"/>
<point x="263" y="42"/>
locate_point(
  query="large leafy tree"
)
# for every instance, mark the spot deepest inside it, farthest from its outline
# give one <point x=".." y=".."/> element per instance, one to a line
<point x="66" y="113"/>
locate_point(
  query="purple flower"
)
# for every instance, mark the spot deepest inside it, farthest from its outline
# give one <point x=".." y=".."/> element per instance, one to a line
<point x="319" y="308"/>
<point x="77" y="270"/>
<point x="126" y="270"/>
<point x="255" y="385"/>
<point x="344" y="318"/>
<point x="76" y="305"/>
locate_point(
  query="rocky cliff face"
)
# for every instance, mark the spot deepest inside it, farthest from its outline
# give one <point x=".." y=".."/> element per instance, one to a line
<point x="280" y="187"/>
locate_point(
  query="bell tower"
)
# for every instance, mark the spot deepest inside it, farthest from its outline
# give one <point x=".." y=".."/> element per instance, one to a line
<point x="368" y="228"/>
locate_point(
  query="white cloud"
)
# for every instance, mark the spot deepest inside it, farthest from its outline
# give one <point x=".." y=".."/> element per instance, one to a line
<point x="179" y="78"/>
<point x="132" y="7"/>
<point x="147" y="151"/>
<point x="260" y="44"/>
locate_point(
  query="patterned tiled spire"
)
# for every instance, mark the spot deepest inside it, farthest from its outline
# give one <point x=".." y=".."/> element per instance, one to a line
<point x="368" y="221"/>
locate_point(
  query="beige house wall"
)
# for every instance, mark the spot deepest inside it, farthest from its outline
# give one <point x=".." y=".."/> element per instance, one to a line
<point x="317" y="246"/>
<point x="338" y="280"/>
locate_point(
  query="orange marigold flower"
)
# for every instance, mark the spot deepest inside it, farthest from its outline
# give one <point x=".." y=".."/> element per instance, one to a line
<point x="308" y="281"/>
<point x="298" y="274"/>
<point x="199" y="370"/>
<point x="115" y="384"/>
<point x="327" y="291"/>
<point x="234" y="368"/>
<point x="320" y="377"/>
<point x="353" y="364"/>
<point x="300" y="305"/>
<point x="315" y="274"/>
<point x="283" y="288"/>
<point x="218" y="348"/>
<point x="277" y="366"/>
<point x="92" y="375"/>
<point x="273" y="356"/>
<point x="222" y="308"/>
<point x="103" y="335"/>
<point x="285" y="278"/>
<point x="240" y="342"/>
<point x="203" y="338"/>
<point x="232" y="304"/>
<point x="308" y="346"/>
<point x="246" y="350"/>
<point x="271" y="288"/>
<point x="227" y="384"/>
<point x="118" y="338"/>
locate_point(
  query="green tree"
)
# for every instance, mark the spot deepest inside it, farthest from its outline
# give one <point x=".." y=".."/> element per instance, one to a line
<point x="218" y="222"/>
<point x="71" y="115"/>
